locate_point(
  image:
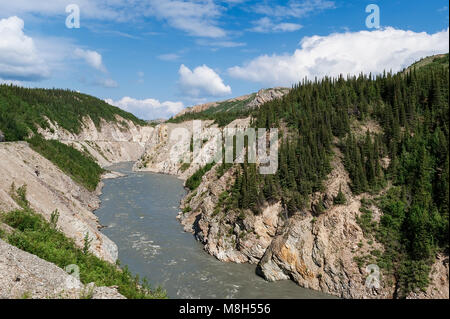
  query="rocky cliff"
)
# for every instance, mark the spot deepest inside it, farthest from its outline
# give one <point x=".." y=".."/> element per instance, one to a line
<point x="316" y="250"/>
<point x="112" y="142"/>
<point x="48" y="189"/>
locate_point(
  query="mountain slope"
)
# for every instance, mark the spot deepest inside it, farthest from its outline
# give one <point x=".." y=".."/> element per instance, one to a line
<point x="362" y="179"/>
<point x="93" y="131"/>
<point x="224" y="112"/>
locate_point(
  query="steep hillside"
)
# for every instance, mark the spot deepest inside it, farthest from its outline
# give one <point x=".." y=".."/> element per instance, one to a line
<point x="51" y="168"/>
<point x="21" y="109"/>
<point x="95" y="133"/>
<point x="434" y="61"/>
<point x="362" y="179"/>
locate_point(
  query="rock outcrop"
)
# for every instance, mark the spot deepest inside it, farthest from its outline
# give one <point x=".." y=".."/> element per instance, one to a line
<point x="52" y="189"/>
<point x="266" y="95"/>
<point x="23" y="275"/>
<point x="251" y="100"/>
<point x="113" y="142"/>
<point x="169" y="145"/>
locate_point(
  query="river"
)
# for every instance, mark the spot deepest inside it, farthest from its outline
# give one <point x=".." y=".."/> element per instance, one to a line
<point x="139" y="211"/>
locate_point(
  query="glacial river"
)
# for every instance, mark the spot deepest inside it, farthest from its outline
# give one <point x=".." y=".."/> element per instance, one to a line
<point x="139" y="211"/>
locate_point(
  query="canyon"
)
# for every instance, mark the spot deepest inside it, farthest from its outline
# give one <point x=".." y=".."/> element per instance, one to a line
<point x="315" y="250"/>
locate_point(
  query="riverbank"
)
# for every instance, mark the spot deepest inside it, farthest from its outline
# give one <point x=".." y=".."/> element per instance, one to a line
<point x="139" y="211"/>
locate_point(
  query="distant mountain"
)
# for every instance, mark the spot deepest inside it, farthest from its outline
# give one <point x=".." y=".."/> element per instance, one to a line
<point x="236" y="104"/>
<point x="430" y="61"/>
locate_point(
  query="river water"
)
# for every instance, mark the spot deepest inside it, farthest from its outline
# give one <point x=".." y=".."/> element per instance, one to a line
<point x="139" y="211"/>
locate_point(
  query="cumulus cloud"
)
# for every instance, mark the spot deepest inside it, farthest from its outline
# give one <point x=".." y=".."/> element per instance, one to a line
<point x="23" y="58"/>
<point x="344" y="53"/>
<point x="202" y="81"/>
<point x="19" y="58"/>
<point x="265" y="25"/>
<point x="93" y="58"/>
<point x="148" y="109"/>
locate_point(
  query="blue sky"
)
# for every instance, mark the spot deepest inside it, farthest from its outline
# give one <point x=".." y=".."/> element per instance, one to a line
<point x="155" y="57"/>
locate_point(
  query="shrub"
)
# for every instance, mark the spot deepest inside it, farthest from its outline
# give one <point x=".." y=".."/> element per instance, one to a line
<point x="194" y="181"/>
<point x="36" y="236"/>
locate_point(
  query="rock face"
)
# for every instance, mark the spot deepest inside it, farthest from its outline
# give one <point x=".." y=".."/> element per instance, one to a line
<point x="316" y="250"/>
<point x="114" y="142"/>
<point x="23" y="275"/>
<point x="170" y="144"/>
<point x="253" y="100"/>
<point x="266" y="95"/>
<point x="51" y="189"/>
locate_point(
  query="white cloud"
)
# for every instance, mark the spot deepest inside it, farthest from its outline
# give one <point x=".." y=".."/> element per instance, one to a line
<point x="107" y="83"/>
<point x="287" y="27"/>
<point x="169" y="57"/>
<point x="202" y="81"/>
<point x="33" y="59"/>
<point x="344" y="53"/>
<point x="98" y="9"/>
<point x="197" y="18"/>
<point x="9" y="82"/>
<point x="220" y="44"/>
<point x="19" y="58"/>
<point x="294" y="8"/>
<point x="265" y="25"/>
<point x="93" y="58"/>
<point x="148" y="109"/>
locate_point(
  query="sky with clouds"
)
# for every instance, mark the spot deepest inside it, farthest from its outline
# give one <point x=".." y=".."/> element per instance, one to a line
<point x="155" y="57"/>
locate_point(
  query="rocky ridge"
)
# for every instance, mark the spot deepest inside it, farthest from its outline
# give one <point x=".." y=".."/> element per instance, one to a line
<point x="112" y="142"/>
<point x="251" y="100"/>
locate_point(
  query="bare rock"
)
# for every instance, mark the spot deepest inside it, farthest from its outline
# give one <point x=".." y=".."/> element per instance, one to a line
<point x="23" y="275"/>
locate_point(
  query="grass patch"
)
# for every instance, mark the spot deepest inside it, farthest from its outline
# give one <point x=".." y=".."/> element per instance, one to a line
<point x="35" y="235"/>
<point x="194" y="181"/>
<point x="82" y="169"/>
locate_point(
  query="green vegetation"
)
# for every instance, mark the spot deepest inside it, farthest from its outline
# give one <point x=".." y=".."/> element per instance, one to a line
<point x="363" y="162"/>
<point x="340" y="197"/>
<point x="434" y="61"/>
<point x="193" y="181"/>
<point x="184" y="167"/>
<point x="81" y="168"/>
<point x="222" y="114"/>
<point x="221" y="118"/>
<point x="411" y="153"/>
<point x="22" y="108"/>
<point x="39" y="237"/>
